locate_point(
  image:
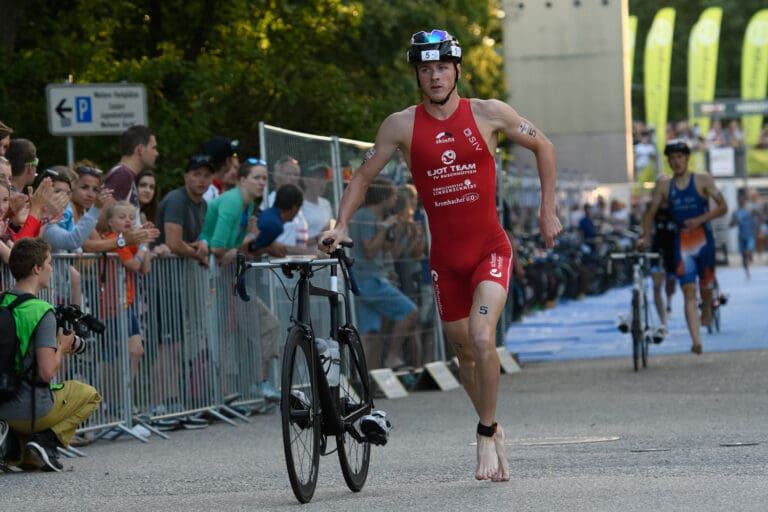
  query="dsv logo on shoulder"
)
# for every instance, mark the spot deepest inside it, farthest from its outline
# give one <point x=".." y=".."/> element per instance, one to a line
<point x="473" y="139"/>
<point x="444" y="138"/>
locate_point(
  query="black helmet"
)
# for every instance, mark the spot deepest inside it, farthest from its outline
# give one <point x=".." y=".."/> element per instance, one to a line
<point x="677" y="146"/>
<point x="432" y="47"/>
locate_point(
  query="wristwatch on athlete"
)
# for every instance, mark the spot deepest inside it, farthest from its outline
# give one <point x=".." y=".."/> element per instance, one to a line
<point x="120" y="241"/>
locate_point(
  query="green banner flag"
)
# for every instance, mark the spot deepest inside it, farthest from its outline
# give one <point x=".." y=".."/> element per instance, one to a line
<point x="702" y="62"/>
<point x="632" y="37"/>
<point x="754" y="72"/>
<point x="656" y="68"/>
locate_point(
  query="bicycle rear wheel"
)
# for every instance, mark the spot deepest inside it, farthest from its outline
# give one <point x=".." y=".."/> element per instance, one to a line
<point x="636" y="329"/>
<point x="354" y="402"/>
<point x="716" y="317"/>
<point x="645" y="334"/>
<point x="299" y="408"/>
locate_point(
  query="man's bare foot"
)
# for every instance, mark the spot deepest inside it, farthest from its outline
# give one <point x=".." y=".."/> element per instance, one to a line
<point x="487" y="459"/>
<point x="696" y="348"/>
<point x="502" y="474"/>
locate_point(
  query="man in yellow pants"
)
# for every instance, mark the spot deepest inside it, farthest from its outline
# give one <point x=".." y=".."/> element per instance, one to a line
<point x="43" y="415"/>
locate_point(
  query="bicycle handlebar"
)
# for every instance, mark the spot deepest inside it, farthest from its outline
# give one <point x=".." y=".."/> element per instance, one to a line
<point x="336" y="257"/>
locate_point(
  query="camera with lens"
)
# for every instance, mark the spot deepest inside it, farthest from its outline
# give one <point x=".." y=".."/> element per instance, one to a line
<point x="71" y="318"/>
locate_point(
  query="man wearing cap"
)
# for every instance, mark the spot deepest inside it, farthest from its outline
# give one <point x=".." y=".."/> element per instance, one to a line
<point x="182" y="211"/>
<point x="180" y="218"/>
<point x="223" y="154"/>
<point x="138" y="150"/>
<point x="688" y="195"/>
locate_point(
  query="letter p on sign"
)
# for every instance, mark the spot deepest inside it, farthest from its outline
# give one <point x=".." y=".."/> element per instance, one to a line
<point x="83" y="106"/>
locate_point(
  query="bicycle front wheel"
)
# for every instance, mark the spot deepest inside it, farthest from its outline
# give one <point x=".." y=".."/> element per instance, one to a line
<point x="354" y="402"/>
<point x="299" y="408"/>
<point x="716" y="306"/>
<point x="637" y="329"/>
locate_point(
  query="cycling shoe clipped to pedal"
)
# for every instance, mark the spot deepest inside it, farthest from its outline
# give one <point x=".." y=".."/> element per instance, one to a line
<point x="299" y="403"/>
<point x="376" y="427"/>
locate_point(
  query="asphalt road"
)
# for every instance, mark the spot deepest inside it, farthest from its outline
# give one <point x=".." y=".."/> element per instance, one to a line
<point x="587" y="435"/>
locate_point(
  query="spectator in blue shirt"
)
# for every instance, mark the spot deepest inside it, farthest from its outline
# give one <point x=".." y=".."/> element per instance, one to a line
<point x="288" y="201"/>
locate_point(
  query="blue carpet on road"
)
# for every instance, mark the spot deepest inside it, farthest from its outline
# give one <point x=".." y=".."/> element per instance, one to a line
<point x="581" y="329"/>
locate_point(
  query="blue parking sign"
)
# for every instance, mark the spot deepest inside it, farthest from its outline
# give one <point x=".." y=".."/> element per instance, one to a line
<point x="83" y="109"/>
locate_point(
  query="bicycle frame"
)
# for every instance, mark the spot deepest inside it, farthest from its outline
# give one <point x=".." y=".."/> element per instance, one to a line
<point x="334" y="423"/>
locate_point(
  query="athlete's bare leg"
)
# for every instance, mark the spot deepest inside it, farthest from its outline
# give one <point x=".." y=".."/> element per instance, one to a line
<point x="473" y="340"/>
<point x="692" y="315"/>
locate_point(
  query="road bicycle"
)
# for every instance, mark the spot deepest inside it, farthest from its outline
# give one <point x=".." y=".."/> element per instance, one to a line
<point x="324" y="392"/>
<point x="639" y="324"/>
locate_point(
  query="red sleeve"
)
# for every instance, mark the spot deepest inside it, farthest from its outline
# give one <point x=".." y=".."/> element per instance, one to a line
<point x="30" y="229"/>
<point x="120" y="182"/>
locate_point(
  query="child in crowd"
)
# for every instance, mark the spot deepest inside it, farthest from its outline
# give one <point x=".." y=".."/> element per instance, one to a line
<point x="121" y="217"/>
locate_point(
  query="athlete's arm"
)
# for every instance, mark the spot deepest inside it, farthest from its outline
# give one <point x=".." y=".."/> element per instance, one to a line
<point x="387" y="141"/>
<point x="709" y="190"/>
<point x="658" y="195"/>
<point x="505" y="119"/>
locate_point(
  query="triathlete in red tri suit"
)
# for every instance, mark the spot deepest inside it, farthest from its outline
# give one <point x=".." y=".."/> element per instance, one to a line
<point x="449" y="143"/>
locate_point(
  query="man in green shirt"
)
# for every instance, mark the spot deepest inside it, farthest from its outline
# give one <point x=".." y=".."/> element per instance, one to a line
<point x="43" y="415"/>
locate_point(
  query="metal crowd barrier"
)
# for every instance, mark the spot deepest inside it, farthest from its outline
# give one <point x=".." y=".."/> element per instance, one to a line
<point x="202" y="350"/>
<point x="202" y="346"/>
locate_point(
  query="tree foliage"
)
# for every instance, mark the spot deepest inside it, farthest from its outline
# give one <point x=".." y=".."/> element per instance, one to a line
<point x="221" y="66"/>
<point x="736" y="15"/>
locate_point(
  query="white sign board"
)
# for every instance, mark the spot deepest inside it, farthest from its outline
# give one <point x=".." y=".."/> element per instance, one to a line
<point x="95" y="109"/>
<point x="722" y="162"/>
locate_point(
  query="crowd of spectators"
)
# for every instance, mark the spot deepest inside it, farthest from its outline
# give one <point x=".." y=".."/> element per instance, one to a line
<point x="221" y="209"/>
<point x="721" y="133"/>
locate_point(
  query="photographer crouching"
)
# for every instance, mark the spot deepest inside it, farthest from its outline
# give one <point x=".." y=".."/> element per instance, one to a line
<point x="42" y="415"/>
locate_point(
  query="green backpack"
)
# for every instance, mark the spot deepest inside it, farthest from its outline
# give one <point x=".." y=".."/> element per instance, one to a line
<point x="11" y="351"/>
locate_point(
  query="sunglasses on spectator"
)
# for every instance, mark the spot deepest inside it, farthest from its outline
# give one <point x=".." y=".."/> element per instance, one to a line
<point x="200" y="160"/>
<point x="33" y="163"/>
<point x="92" y="171"/>
<point x="436" y="36"/>
<point x="256" y="161"/>
<point x="48" y="172"/>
